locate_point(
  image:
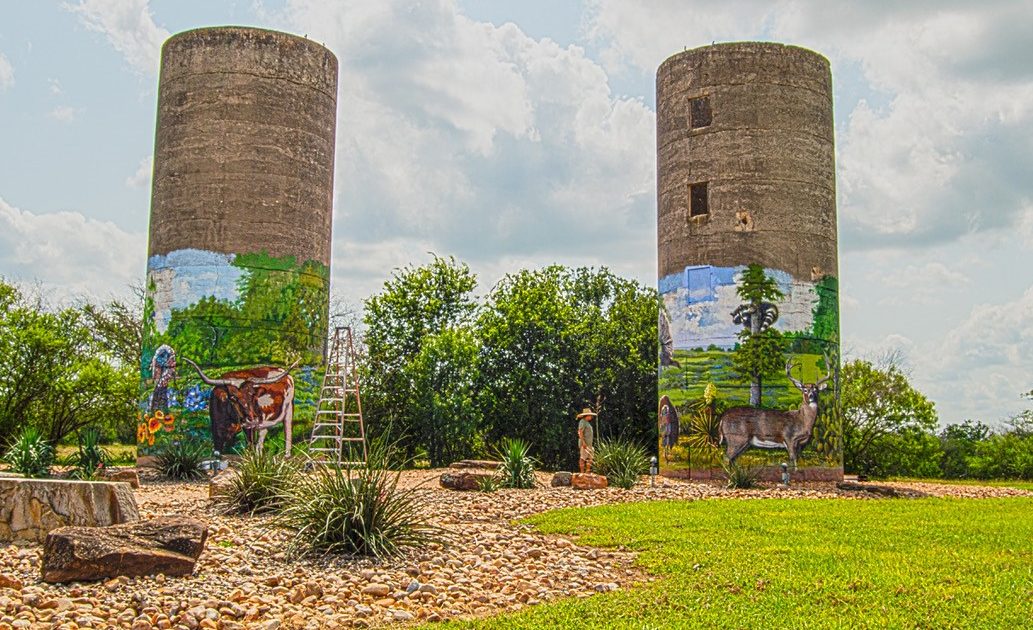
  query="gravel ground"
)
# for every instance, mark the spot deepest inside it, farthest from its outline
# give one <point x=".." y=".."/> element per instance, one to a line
<point x="486" y="565"/>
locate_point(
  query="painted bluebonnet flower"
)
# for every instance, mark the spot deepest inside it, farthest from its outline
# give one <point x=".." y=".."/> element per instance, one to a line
<point x="196" y="399"/>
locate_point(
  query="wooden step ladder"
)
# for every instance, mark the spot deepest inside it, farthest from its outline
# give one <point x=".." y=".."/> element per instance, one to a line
<point x="338" y="432"/>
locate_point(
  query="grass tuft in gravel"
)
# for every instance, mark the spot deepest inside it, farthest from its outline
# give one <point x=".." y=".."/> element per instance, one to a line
<point x="359" y="511"/>
<point x="181" y="461"/>
<point x="621" y="462"/>
<point x="263" y="482"/>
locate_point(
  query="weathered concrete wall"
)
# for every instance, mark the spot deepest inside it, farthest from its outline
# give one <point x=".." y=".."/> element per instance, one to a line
<point x="241" y="208"/>
<point x="748" y="269"/>
<point x="768" y="156"/>
<point x="244" y="147"/>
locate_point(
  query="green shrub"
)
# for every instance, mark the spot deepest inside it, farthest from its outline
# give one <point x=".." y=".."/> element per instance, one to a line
<point x="30" y="454"/>
<point x="740" y="476"/>
<point x="621" y="461"/>
<point x="263" y="480"/>
<point x="488" y="484"/>
<point x="181" y="460"/>
<point x="517" y="467"/>
<point x="357" y="511"/>
<point x="90" y="458"/>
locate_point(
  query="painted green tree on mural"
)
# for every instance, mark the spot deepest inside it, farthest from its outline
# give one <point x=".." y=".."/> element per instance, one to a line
<point x="278" y="316"/>
<point x="759" y="352"/>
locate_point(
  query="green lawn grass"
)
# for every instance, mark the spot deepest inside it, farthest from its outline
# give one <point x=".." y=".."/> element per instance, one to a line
<point x="927" y="563"/>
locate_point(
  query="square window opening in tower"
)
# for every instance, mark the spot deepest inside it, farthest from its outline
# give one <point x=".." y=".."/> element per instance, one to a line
<point x="698" y="200"/>
<point x="699" y="112"/>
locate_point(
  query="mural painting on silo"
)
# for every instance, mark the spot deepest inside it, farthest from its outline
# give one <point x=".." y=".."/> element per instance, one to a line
<point x="237" y="285"/>
<point x="749" y="313"/>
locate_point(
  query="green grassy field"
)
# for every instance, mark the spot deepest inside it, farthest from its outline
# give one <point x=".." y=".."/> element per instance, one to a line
<point x="928" y="563"/>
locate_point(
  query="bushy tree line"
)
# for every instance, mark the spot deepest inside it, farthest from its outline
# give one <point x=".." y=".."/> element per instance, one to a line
<point x="64" y="369"/>
<point x="448" y="374"/>
<point x="890" y="430"/>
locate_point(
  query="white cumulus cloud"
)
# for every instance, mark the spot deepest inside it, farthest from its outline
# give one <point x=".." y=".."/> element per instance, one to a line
<point x="128" y="26"/>
<point x="71" y="254"/>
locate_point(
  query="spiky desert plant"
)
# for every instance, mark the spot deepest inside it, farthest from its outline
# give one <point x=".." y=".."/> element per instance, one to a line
<point x="30" y="454"/>
<point x="89" y="458"/>
<point x="355" y="510"/>
<point x="181" y="461"/>
<point x="262" y="481"/>
<point x="516" y="469"/>
<point x="621" y="461"/>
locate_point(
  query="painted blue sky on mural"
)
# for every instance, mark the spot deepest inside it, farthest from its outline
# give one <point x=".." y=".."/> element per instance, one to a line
<point x="183" y="277"/>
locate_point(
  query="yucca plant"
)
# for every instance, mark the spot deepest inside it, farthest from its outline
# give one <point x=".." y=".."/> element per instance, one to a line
<point x="359" y="511"/>
<point x="517" y="467"/>
<point x="30" y="454"/>
<point x="90" y="458"/>
<point x="181" y="461"/>
<point x="488" y="484"/>
<point x="740" y="476"/>
<point x="621" y="461"/>
<point x="262" y="482"/>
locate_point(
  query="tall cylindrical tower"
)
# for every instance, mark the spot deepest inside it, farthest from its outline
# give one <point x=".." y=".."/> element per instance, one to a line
<point x="746" y="200"/>
<point x="240" y="231"/>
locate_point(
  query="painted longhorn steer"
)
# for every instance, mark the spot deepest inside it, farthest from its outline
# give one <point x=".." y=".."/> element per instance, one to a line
<point x="743" y="427"/>
<point x="252" y="400"/>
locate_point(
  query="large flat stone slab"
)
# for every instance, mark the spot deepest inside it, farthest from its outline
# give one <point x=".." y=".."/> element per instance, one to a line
<point x="168" y="545"/>
<point x="29" y="508"/>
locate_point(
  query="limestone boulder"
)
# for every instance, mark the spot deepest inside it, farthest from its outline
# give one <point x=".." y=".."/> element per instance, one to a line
<point x="168" y="545"/>
<point x="122" y="474"/>
<point x="587" y="481"/>
<point x="221" y="483"/>
<point x="561" y="479"/>
<point x="29" y="508"/>
<point x="461" y="480"/>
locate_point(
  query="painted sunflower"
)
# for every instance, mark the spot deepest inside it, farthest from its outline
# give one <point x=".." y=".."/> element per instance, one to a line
<point x="141" y="433"/>
<point x="154" y="422"/>
<point x="169" y="423"/>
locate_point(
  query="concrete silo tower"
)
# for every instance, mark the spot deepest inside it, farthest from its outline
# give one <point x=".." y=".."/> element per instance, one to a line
<point x="241" y="210"/>
<point x="747" y="260"/>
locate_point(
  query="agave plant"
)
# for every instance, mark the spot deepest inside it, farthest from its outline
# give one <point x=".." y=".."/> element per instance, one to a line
<point x="517" y="467"/>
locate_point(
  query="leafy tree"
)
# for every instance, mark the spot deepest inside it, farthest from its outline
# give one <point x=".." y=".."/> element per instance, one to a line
<point x="416" y="304"/>
<point x="58" y="374"/>
<point x="554" y="340"/>
<point x="877" y="402"/>
<point x="759" y="353"/>
<point x="443" y="373"/>
<point x="958" y="444"/>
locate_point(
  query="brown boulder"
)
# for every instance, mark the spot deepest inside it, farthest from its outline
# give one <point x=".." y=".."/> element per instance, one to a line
<point x="587" y="481"/>
<point x="454" y="480"/>
<point x="29" y="508"/>
<point x="169" y="545"/>
<point x="561" y="479"/>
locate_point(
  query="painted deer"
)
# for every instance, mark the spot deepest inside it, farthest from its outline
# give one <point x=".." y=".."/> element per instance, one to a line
<point x="743" y="427"/>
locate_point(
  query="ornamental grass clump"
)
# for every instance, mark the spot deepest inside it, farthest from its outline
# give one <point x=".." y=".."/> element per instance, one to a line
<point x="30" y="454"/>
<point x="517" y="467"/>
<point x="262" y="482"/>
<point x="180" y="461"/>
<point x="621" y="462"/>
<point x="355" y="510"/>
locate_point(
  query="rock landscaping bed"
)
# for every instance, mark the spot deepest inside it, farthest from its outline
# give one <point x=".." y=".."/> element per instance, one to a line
<point x="488" y="563"/>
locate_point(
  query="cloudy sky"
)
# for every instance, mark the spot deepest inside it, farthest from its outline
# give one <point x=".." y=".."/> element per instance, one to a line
<point x="516" y="134"/>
